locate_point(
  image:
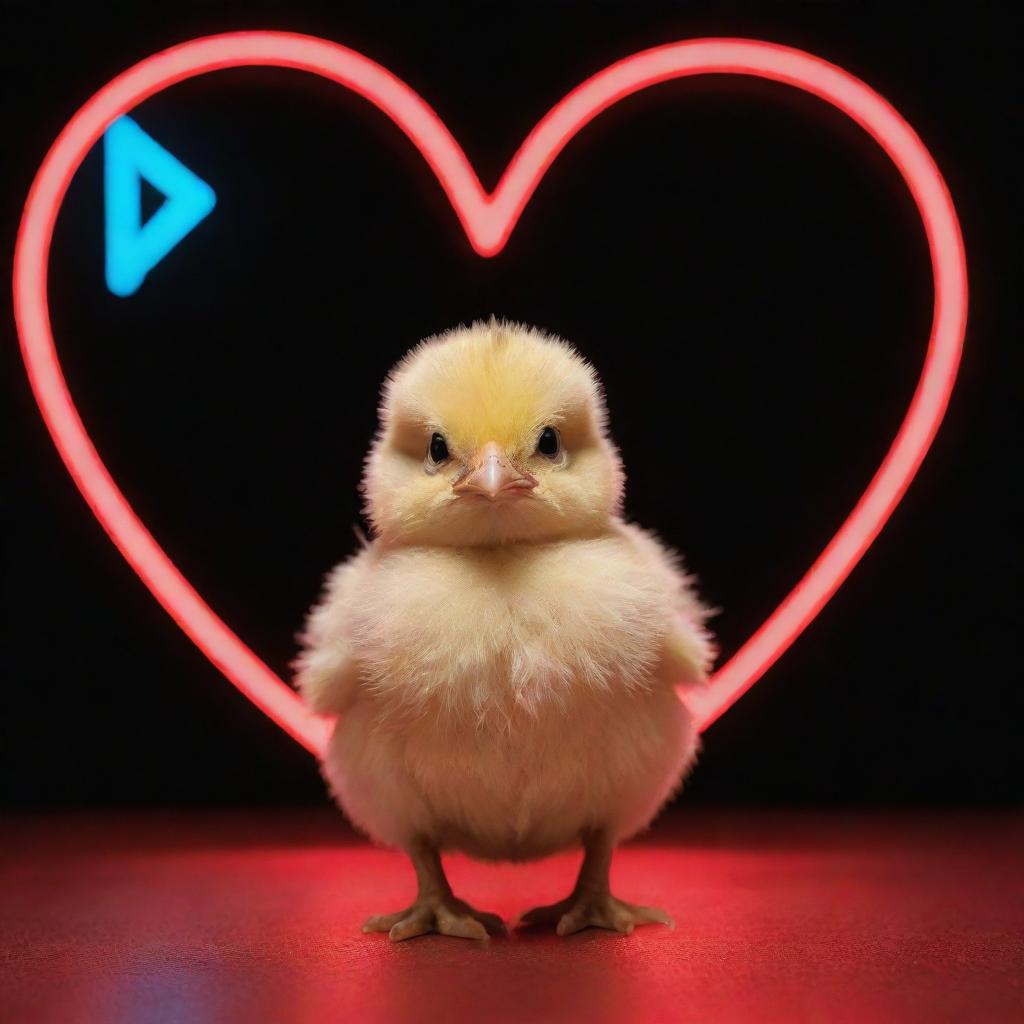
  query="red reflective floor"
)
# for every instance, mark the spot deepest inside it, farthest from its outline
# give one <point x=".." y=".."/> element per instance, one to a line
<point x="150" y="919"/>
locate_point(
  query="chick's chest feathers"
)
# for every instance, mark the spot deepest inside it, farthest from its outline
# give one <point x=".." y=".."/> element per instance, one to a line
<point x="519" y="626"/>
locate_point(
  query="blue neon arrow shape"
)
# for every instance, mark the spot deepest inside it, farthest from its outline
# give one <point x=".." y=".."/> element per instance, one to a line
<point x="133" y="249"/>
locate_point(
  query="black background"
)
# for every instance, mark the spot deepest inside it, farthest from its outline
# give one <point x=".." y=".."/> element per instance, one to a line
<point x="742" y="265"/>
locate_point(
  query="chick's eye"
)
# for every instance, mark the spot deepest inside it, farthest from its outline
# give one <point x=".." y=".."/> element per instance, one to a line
<point x="549" y="443"/>
<point x="438" y="449"/>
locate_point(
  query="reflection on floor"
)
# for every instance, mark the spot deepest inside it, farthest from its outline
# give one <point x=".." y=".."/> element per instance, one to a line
<point x="254" y="917"/>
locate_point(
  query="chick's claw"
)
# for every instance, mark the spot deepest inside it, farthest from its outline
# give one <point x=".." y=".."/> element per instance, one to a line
<point x="444" y="915"/>
<point x="597" y="910"/>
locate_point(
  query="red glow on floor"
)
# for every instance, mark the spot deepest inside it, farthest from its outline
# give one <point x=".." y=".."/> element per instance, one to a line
<point x="781" y="917"/>
<point x="488" y="219"/>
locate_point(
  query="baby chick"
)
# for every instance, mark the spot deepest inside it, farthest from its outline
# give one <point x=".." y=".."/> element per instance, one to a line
<point x="503" y="656"/>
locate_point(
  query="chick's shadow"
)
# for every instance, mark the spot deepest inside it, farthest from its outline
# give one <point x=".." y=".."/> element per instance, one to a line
<point x="530" y="974"/>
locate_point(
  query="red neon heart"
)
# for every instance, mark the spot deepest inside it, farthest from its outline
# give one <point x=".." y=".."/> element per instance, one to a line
<point x="488" y="220"/>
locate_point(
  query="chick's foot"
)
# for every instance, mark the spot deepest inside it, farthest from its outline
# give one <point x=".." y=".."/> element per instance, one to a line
<point x="443" y="914"/>
<point x="591" y="903"/>
<point x="595" y="909"/>
<point x="435" y="909"/>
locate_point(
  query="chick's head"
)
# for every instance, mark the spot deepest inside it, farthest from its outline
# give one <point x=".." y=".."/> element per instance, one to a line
<point x="490" y="434"/>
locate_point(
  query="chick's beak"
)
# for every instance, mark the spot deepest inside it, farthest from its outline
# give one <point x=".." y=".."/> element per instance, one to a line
<point x="493" y="476"/>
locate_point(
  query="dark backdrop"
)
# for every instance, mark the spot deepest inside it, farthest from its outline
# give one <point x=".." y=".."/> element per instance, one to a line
<point x="741" y="263"/>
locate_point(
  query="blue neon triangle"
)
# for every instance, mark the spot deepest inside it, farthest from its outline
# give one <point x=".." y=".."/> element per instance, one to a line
<point x="133" y="249"/>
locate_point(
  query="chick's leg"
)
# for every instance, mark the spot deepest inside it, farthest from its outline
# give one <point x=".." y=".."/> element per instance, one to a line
<point x="591" y="902"/>
<point x="436" y="909"/>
